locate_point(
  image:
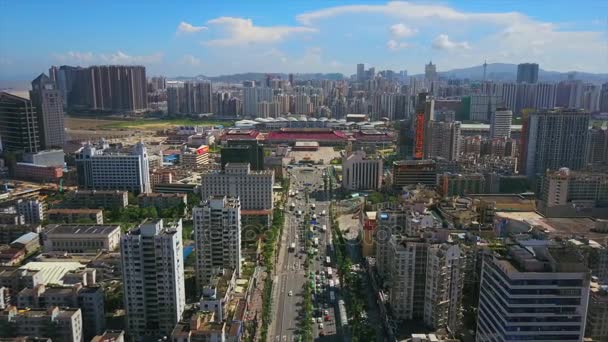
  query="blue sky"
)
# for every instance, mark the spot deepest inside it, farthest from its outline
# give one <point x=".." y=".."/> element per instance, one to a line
<point x="221" y="37"/>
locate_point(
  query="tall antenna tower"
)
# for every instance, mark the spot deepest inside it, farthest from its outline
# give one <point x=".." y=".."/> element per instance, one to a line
<point x="485" y="67"/>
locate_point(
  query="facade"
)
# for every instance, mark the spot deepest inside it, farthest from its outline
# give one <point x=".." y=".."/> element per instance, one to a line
<point x="566" y="193"/>
<point x="190" y="98"/>
<point x="66" y="323"/>
<point x="533" y="297"/>
<point x="412" y="172"/>
<point x="556" y="138"/>
<point x="75" y="216"/>
<point x="47" y="100"/>
<point x="527" y="73"/>
<point x="38" y="173"/>
<point x="90" y="300"/>
<point x="443" y="140"/>
<point x="100" y="170"/>
<point x="217" y="232"/>
<point x="19" y="126"/>
<point x="33" y="210"/>
<point x="253" y="188"/>
<point x="153" y="277"/>
<point x="453" y="184"/>
<point x="500" y="123"/>
<point x="360" y="172"/>
<point x="80" y="238"/>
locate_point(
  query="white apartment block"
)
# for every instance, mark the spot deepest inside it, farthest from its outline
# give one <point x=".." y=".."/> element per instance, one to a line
<point x="533" y="294"/>
<point x="66" y="323"/>
<point x="217" y="232"/>
<point x="99" y="169"/>
<point x="253" y="188"/>
<point x="360" y="172"/>
<point x="32" y="210"/>
<point x="500" y="123"/>
<point x="153" y="278"/>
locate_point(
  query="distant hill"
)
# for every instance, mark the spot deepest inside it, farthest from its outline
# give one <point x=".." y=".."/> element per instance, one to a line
<point x="508" y="72"/>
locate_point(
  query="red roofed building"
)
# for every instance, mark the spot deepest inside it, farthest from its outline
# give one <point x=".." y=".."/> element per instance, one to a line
<point x="324" y="136"/>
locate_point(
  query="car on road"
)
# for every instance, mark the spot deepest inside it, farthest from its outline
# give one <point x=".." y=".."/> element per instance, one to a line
<point x="327" y="318"/>
<point x="319" y="320"/>
<point x="290" y="293"/>
<point x="320" y="325"/>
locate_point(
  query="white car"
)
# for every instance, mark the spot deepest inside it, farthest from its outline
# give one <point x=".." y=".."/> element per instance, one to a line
<point x="319" y="320"/>
<point x="320" y="325"/>
<point x="290" y="293"/>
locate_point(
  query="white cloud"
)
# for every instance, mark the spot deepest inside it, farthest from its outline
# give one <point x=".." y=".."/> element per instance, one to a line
<point x="394" y="45"/>
<point x="5" y="61"/>
<point x="191" y="60"/>
<point x="184" y="28"/>
<point x="118" y="57"/>
<point x="241" y="31"/>
<point x="510" y="37"/>
<point x="443" y="42"/>
<point x="402" y="31"/>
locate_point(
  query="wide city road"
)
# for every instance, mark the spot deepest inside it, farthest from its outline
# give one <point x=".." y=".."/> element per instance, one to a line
<point x="307" y="198"/>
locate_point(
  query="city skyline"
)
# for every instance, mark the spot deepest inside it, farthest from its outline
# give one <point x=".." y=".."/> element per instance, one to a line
<point x="211" y="39"/>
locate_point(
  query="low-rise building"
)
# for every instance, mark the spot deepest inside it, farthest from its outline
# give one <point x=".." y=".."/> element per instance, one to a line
<point x="75" y="216"/>
<point x="10" y="232"/>
<point x="90" y="300"/>
<point x="453" y="184"/>
<point x="66" y="323"/>
<point x="29" y="242"/>
<point x="38" y="173"/>
<point x="201" y="326"/>
<point x="216" y="294"/>
<point x="80" y="238"/>
<point x="110" y="336"/>
<point x="96" y="199"/>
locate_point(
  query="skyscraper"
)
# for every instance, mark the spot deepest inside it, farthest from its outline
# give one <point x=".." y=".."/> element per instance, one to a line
<point x="217" y="232"/>
<point x="18" y="124"/>
<point x="47" y="100"/>
<point x="533" y="294"/>
<point x="527" y="73"/>
<point x="598" y="146"/>
<point x="430" y="72"/>
<point x="153" y="275"/>
<point x="500" y="123"/>
<point x="556" y="138"/>
<point x="360" y="72"/>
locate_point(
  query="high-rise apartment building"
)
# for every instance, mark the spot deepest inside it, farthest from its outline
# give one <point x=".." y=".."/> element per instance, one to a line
<point x="19" y="128"/>
<point x="217" y="232"/>
<point x="190" y="98"/>
<point x="556" y="138"/>
<point x="598" y="146"/>
<point x="360" y="172"/>
<point x="253" y="188"/>
<point x="597" y="317"/>
<point x="442" y="140"/>
<point x="500" y="123"/>
<point x="533" y="294"/>
<point x="98" y="168"/>
<point x="153" y="278"/>
<point x="425" y="281"/>
<point x="527" y="73"/>
<point x="47" y="100"/>
<point x="604" y="98"/>
<point x="107" y="87"/>
<point x="243" y="151"/>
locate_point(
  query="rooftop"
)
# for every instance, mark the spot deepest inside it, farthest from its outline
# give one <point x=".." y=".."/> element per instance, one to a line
<point x="74" y="211"/>
<point x="52" y="272"/>
<point x="81" y="229"/>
